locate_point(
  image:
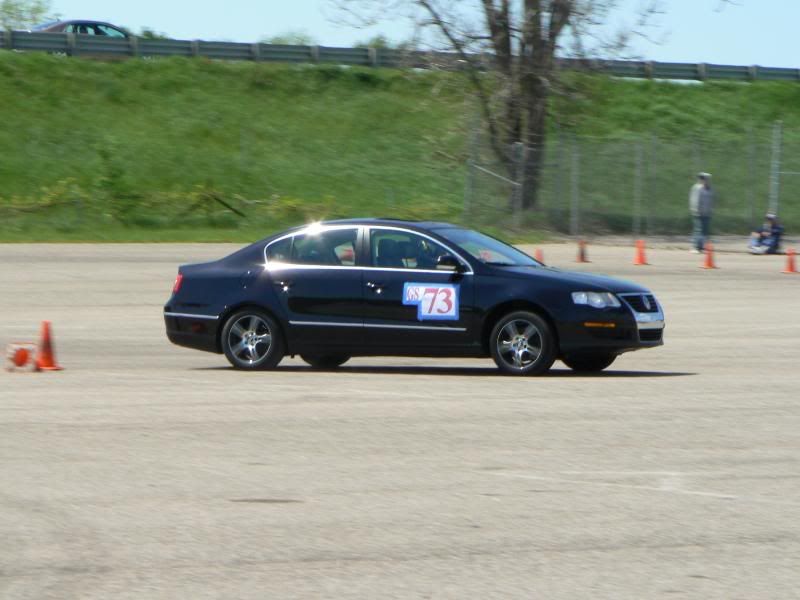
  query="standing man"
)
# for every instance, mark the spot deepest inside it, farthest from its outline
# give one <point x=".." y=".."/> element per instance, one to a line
<point x="701" y="203"/>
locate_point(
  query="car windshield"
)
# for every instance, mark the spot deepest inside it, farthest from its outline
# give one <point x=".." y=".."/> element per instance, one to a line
<point x="487" y="249"/>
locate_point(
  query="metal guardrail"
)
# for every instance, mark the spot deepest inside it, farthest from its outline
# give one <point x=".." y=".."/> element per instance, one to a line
<point x="99" y="46"/>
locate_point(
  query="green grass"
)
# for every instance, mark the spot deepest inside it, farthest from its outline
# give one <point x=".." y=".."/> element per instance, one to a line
<point x="159" y="150"/>
<point x="604" y="106"/>
<point x="136" y="145"/>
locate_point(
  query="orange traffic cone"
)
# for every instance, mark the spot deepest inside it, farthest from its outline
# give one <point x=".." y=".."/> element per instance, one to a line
<point x="709" y="261"/>
<point x="791" y="266"/>
<point x="640" y="258"/>
<point x="46" y="360"/>
<point x="539" y="255"/>
<point x="582" y="254"/>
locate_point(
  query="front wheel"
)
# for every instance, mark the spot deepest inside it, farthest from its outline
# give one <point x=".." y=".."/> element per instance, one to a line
<point x="325" y="362"/>
<point x="522" y="343"/>
<point x="252" y="340"/>
<point x="589" y="363"/>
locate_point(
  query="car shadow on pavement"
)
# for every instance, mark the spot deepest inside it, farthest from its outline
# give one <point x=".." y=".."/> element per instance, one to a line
<point x="610" y="373"/>
<point x="455" y="371"/>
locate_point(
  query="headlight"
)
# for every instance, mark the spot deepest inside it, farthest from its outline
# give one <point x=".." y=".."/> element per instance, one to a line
<point x="596" y="299"/>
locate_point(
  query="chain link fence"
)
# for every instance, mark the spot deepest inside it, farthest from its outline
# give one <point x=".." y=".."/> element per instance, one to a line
<point x="640" y="185"/>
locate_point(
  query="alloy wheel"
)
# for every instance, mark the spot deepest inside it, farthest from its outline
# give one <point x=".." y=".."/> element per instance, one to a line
<point x="519" y="343"/>
<point x="252" y="340"/>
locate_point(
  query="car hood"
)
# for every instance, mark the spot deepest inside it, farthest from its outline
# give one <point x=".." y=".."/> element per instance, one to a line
<point x="584" y="282"/>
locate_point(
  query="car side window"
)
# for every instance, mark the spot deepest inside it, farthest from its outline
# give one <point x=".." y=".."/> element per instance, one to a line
<point x="403" y="250"/>
<point x="109" y="31"/>
<point x="346" y="252"/>
<point x="335" y="247"/>
<point x="280" y="251"/>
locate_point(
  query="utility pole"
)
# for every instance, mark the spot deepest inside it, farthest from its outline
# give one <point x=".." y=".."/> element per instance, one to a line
<point x="575" y="179"/>
<point x="775" y="170"/>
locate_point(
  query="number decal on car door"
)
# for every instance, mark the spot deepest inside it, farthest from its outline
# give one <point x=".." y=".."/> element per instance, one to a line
<point x="434" y="301"/>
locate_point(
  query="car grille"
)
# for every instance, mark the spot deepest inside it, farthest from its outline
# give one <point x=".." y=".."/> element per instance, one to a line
<point x="642" y="303"/>
<point x="651" y="335"/>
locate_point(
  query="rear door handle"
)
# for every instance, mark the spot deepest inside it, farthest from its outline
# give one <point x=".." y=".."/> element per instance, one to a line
<point x="285" y="285"/>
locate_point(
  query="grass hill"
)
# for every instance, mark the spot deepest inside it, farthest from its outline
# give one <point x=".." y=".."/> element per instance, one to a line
<point x="180" y="149"/>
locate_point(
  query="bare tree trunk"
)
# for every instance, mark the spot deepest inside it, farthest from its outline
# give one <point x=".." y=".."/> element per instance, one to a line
<point x="535" y="93"/>
<point x="532" y="175"/>
<point x="523" y="39"/>
<point x="526" y="73"/>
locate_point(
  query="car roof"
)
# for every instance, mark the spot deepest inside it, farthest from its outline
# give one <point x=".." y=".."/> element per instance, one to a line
<point x="69" y="21"/>
<point x="425" y="225"/>
<point x="431" y="226"/>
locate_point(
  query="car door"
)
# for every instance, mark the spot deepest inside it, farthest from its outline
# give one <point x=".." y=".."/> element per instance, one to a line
<point x="409" y="303"/>
<point x="319" y="285"/>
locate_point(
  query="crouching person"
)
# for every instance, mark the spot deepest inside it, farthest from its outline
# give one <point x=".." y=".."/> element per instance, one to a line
<point x="767" y="240"/>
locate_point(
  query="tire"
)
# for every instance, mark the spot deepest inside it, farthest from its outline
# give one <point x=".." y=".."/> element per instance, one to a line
<point x="523" y="343"/>
<point x="590" y="362"/>
<point x="325" y="362"/>
<point x="252" y="340"/>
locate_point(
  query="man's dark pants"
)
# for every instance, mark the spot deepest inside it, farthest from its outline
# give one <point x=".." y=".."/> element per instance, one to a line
<point x="700" y="233"/>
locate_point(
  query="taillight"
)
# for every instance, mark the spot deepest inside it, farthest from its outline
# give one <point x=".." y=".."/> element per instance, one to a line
<point x="178" y="282"/>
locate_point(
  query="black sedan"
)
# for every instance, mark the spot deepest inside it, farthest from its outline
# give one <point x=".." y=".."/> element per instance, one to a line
<point x="379" y="287"/>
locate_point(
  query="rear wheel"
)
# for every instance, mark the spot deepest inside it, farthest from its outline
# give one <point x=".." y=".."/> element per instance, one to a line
<point x="330" y="361"/>
<point x="252" y="340"/>
<point x="522" y="343"/>
<point x="589" y="362"/>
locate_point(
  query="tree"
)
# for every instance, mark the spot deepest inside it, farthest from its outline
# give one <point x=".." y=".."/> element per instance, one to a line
<point x="23" y="14"/>
<point x="382" y="42"/>
<point x="292" y="38"/>
<point x="376" y="41"/>
<point x="510" y="60"/>
<point x="148" y="33"/>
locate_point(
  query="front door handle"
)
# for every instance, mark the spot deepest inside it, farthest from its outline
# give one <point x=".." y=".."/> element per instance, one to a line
<point x="375" y="286"/>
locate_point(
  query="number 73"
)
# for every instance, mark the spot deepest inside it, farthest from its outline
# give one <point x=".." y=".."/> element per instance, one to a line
<point x="439" y="301"/>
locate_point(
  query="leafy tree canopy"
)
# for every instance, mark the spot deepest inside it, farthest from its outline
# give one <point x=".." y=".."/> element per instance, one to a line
<point x="24" y="14"/>
<point x="295" y="38"/>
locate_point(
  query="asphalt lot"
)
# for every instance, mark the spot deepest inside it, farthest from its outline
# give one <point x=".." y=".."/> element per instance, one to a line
<point x="148" y="471"/>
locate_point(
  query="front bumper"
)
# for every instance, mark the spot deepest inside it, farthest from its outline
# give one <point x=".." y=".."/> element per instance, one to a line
<point x="638" y="323"/>
<point x="649" y="317"/>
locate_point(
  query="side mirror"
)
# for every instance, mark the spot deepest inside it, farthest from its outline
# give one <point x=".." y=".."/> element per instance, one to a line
<point x="448" y="262"/>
